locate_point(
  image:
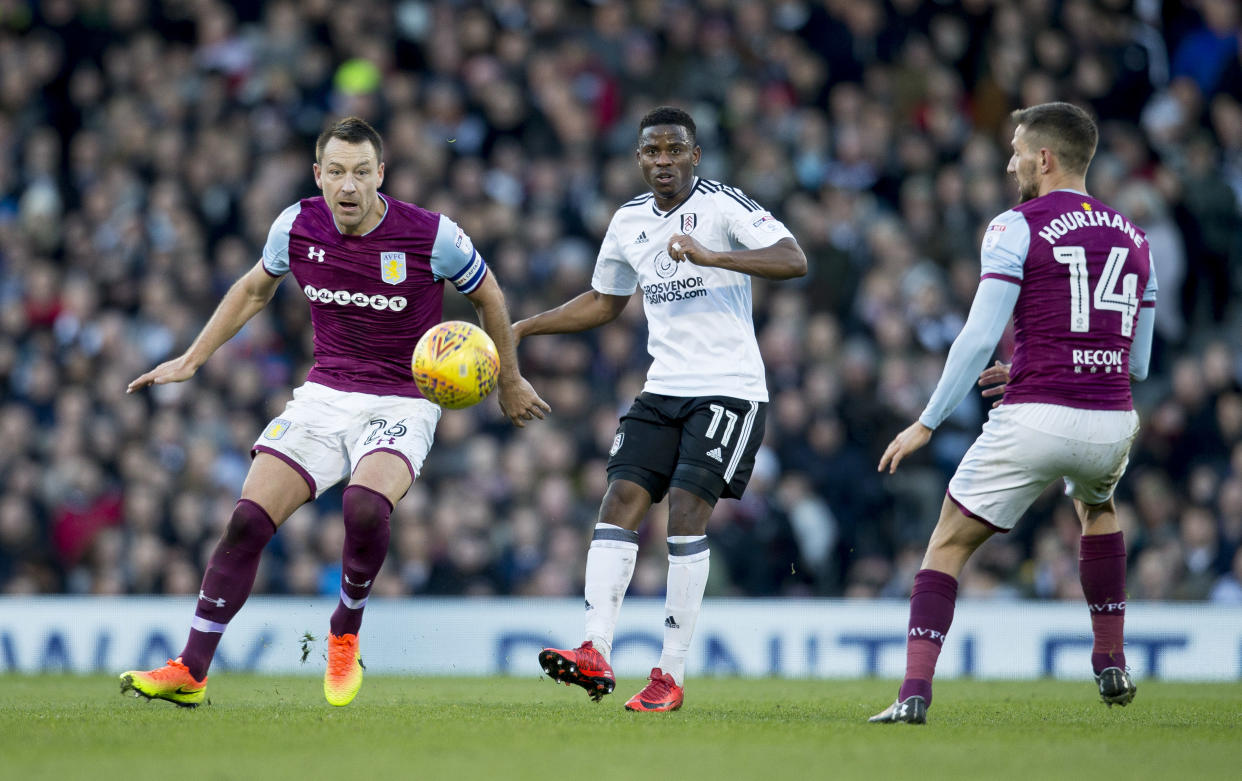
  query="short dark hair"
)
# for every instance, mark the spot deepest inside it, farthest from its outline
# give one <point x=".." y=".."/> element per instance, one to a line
<point x="1066" y="129"/>
<point x="669" y="115"/>
<point x="351" y="130"/>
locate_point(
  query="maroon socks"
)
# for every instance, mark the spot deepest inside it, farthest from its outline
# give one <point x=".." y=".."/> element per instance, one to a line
<point x="931" y="612"/>
<point x="1102" y="570"/>
<point x="366" y="546"/>
<point x="227" y="582"/>
<point x="235" y="561"/>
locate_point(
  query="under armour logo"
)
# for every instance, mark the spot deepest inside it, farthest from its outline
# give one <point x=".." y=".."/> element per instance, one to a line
<point x="349" y="582"/>
<point x="671" y="623"/>
<point x="315" y="254"/>
<point x="217" y="601"/>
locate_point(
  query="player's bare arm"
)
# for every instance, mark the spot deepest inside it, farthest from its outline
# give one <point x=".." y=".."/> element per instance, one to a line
<point x="782" y="260"/>
<point x="581" y="313"/>
<point x="244" y="299"/>
<point x="518" y="399"/>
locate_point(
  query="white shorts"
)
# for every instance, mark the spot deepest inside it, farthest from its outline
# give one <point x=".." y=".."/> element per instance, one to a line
<point x="324" y="433"/>
<point x="1024" y="447"/>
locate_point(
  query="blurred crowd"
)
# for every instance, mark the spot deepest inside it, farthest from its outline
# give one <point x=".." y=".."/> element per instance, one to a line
<point x="146" y="146"/>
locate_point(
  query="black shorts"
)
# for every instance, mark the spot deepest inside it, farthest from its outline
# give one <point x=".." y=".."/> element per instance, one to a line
<point x="704" y="444"/>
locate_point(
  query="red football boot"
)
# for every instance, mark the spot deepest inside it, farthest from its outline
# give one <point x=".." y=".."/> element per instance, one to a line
<point x="659" y="695"/>
<point x="583" y="666"/>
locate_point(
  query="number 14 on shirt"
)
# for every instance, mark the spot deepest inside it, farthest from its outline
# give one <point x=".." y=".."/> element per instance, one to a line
<point x="1106" y="295"/>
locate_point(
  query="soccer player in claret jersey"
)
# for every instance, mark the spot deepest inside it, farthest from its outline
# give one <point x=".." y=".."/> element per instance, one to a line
<point x="692" y="246"/>
<point x="373" y="269"/>
<point x="1077" y="278"/>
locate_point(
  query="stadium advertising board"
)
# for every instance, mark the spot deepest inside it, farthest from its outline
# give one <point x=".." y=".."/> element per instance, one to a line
<point x="754" y="638"/>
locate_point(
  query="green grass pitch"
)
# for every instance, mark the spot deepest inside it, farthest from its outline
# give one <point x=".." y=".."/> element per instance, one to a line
<point x="69" y="727"/>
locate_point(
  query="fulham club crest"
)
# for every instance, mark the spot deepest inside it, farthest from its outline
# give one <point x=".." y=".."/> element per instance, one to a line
<point x="688" y="221"/>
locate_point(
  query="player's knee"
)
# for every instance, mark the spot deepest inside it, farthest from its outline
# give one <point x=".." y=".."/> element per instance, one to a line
<point x="249" y="524"/>
<point x="630" y="486"/>
<point x="950" y="552"/>
<point x="365" y="509"/>
<point x="626" y="502"/>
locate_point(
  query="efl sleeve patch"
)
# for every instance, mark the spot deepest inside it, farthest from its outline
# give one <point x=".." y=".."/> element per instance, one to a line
<point x="757" y="229"/>
<point x="1005" y="244"/>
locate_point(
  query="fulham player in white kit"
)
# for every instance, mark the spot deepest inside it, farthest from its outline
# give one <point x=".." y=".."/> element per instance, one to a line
<point x="1077" y="278"/>
<point x="372" y="269"/>
<point x="690" y="246"/>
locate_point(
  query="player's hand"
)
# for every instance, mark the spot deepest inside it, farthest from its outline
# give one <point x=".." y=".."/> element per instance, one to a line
<point x="905" y="443"/>
<point x="519" y="402"/>
<point x="179" y="369"/>
<point x="996" y="375"/>
<point x="682" y="247"/>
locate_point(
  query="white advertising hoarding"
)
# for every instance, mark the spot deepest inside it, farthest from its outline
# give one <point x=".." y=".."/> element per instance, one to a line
<point x="818" y="638"/>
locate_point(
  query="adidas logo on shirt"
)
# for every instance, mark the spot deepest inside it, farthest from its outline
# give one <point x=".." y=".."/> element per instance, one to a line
<point x="642" y="238"/>
<point x="715" y="453"/>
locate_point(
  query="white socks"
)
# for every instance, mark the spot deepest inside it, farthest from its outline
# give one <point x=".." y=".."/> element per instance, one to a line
<point x="688" y="566"/>
<point x="609" y="567"/>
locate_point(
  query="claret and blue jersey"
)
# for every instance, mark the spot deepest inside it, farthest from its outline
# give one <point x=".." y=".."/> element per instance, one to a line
<point x="371" y="296"/>
<point x="1084" y="272"/>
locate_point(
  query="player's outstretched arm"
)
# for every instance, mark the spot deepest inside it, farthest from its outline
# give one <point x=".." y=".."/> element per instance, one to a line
<point x="905" y="443"/>
<point x="244" y="299"/>
<point x="518" y="399"/>
<point x="989" y="312"/>
<point x="581" y="313"/>
<point x="782" y="260"/>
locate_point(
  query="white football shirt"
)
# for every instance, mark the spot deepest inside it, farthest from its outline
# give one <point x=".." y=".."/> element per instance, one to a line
<point x="700" y="333"/>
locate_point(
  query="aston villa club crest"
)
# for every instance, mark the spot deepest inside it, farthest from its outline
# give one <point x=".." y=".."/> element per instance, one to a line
<point x="392" y="267"/>
<point x="688" y="221"/>
<point x="277" y="429"/>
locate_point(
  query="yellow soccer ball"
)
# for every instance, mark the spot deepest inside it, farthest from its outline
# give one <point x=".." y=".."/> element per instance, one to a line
<point x="455" y="364"/>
